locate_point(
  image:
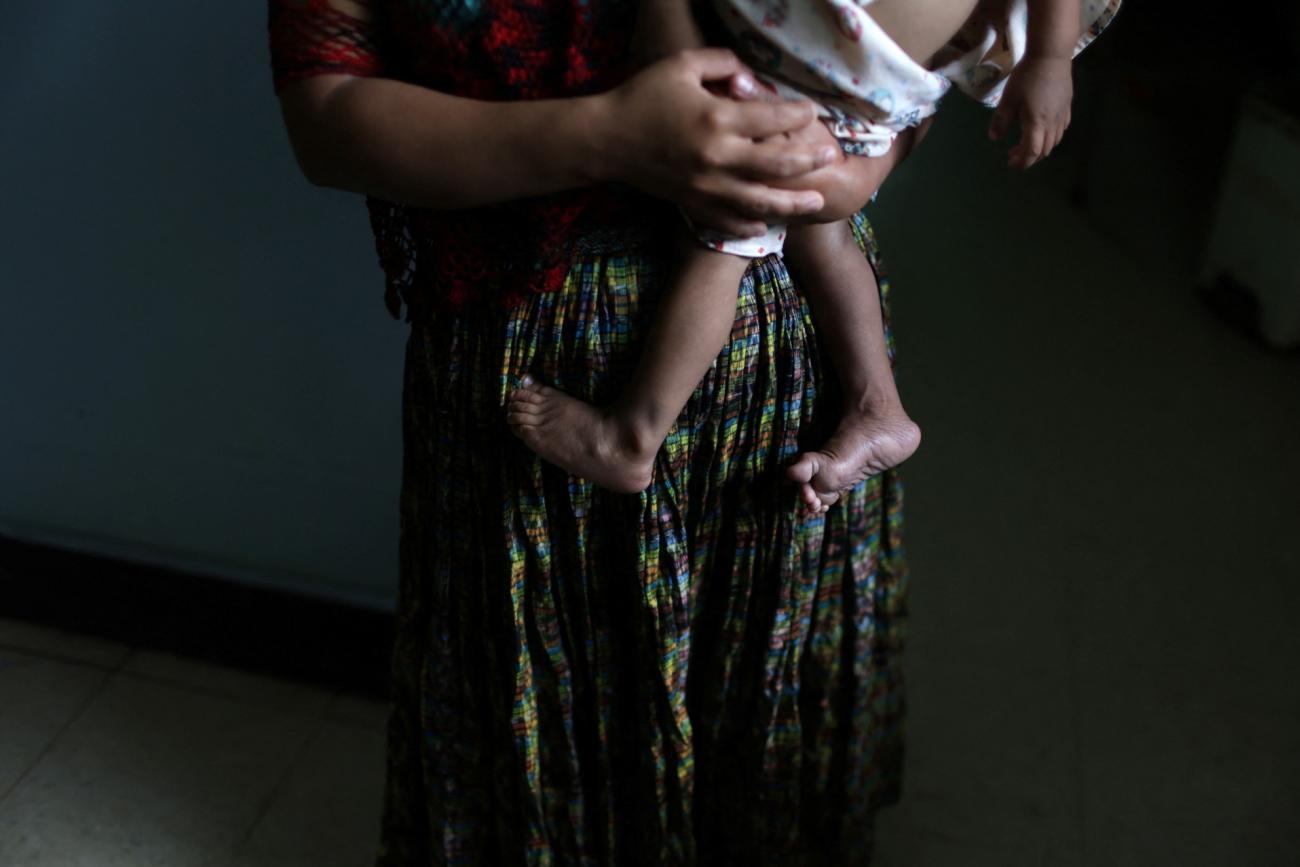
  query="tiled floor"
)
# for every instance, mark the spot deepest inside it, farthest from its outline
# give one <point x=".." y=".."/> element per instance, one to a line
<point x="1104" y="526"/>
<point x="115" y="757"/>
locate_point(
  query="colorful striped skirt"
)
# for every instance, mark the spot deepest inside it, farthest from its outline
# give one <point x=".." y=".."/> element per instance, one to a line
<point x="700" y="674"/>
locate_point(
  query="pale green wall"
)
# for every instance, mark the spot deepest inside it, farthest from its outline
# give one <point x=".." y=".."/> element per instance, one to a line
<point x="196" y="367"/>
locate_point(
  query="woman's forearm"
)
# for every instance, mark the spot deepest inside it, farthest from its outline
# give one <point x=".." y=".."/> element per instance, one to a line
<point x="420" y="147"/>
<point x="663" y="131"/>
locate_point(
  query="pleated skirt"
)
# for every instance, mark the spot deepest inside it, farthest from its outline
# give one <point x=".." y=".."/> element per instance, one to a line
<point x="700" y="674"/>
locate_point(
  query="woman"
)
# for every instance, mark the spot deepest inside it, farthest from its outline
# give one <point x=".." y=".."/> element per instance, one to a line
<point x="699" y="674"/>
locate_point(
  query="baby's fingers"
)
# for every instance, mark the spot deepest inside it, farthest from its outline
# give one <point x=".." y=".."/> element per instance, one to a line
<point x="1001" y="119"/>
<point x="1033" y="141"/>
<point x="1055" y="132"/>
<point x="1065" y="124"/>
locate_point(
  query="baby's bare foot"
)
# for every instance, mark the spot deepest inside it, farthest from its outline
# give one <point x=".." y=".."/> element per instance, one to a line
<point x="864" y="444"/>
<point x="582" y="439"/>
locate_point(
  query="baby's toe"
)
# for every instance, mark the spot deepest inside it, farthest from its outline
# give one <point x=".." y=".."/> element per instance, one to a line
<point x="525" y="395"/>
<point x="809" y="496"/>
<point x="528" y="382"/>
<point x="804" y="468"/>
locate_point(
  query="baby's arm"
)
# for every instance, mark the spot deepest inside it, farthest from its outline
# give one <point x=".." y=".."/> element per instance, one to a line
<point x="1053" y="28"/>
<point x="1040" y="88"/>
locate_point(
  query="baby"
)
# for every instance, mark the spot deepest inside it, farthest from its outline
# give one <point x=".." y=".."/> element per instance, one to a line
<point x="872" y="76"/>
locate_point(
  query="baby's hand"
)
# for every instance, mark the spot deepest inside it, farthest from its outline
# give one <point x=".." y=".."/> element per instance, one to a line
<point x="1038" y="93"/>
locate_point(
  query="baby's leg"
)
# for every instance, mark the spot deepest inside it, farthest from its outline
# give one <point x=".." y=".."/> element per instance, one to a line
<point x="874" y="433"/>
<point x="615" y="446"/>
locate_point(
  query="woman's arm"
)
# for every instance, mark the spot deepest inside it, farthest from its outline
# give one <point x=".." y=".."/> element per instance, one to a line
<point x="408" y="144"/>
<point x="661" y="131"/>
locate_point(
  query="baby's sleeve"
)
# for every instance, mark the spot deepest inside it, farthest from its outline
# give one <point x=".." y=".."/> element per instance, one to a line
<point x="315" y="37"/>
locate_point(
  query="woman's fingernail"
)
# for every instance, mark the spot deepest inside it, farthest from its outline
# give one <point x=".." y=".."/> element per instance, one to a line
<point x="811" y="202"/>
<point x="828" y="154"/>
<point x="743" y="84"/>
<point x="527" y="380"/>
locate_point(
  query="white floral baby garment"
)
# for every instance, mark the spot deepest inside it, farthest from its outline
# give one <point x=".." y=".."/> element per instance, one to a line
<point x="868" y="89"/>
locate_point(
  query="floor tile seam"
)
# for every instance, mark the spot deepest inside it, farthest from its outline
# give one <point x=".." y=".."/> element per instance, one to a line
<point x="92" y="696"/>
<point x="57" y="656"/>
<point x="277" y="788"/>
<point x="353" y="725"/>
<point x="351" y="722"/>
<point x="1075" y="698"/>
<point x="194" y="689"/>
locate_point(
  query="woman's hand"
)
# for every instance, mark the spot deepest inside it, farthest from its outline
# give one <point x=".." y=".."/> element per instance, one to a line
<point x="848" y="183"/>
<point x="728" y="164"/>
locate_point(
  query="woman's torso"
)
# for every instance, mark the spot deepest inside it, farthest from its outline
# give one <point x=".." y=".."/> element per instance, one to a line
<point x="500" y="50"/>
<point x="508" y="49"/>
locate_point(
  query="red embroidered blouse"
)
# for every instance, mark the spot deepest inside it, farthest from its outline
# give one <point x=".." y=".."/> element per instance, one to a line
<point x="482" y="49"/>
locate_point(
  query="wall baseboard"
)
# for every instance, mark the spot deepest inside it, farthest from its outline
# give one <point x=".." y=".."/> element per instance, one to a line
<point x="308" y="639"/>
